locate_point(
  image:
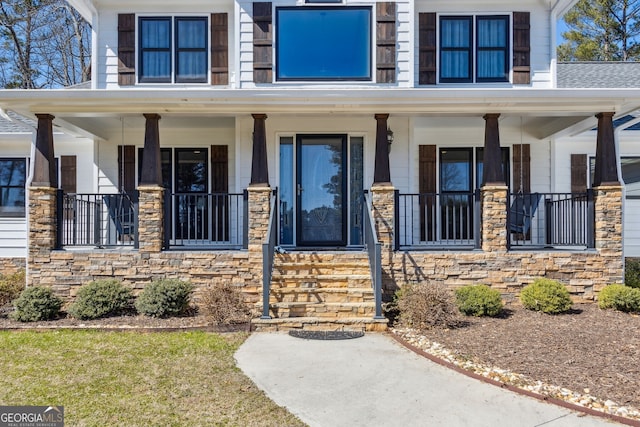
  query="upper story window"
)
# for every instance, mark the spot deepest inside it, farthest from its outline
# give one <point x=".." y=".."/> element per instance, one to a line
<point x="173" y="50"/>
<point x="13" y="176"/>
<point x="323" y="43"/>
<point x="474" y="49"/>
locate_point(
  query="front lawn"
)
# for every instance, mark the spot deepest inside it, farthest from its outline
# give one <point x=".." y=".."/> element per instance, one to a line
<point x="134" y="379"/>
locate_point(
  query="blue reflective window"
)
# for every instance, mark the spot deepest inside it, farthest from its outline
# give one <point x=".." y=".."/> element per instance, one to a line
<point x="323" y="43"/>
<point x="159" y="35"/>
<point x="492" y="57"/>
<point x="455" y="49"/>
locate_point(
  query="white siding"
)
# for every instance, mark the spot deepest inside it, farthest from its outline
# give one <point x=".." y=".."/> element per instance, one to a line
<point x="13" y="237"/>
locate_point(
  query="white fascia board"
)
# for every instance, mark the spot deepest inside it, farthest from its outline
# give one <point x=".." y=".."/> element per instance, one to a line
<point x="86" y="8"/>
<point x="539" y="102"/>
<point x="560" y="7"/>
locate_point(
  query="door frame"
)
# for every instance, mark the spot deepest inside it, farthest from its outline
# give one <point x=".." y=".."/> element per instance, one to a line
<point x="344" y="138"/>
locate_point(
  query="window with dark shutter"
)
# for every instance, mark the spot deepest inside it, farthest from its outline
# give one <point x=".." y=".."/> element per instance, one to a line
<point x="219" y="49"/>
<point x="427" y="47"/>
<point x="521" y="48"/>
<point x="126" y="49"/>
<point x="386" y="42"/>
<point x="262" y="43"/>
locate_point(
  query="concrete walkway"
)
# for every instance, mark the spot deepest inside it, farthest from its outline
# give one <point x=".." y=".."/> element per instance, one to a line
<point x="374" y="381"/>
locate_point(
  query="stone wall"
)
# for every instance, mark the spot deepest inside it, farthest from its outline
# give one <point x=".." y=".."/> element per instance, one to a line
<point x="585" y="273"/>
<point x="68" y="270"/>
<point x="12" y="265"/>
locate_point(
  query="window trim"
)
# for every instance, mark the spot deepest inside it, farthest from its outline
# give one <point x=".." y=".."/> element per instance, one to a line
<point x="370" y="40"/>
<point x="173" y="49"/>
<point x="16" y="213"/>
<point x="474" y="48"/>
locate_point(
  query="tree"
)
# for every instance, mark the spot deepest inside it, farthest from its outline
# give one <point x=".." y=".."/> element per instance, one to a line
<point x="43" y="44"/>
<point x="602" y="30"/>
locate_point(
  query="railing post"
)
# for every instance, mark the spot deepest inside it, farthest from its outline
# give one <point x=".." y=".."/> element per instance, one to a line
<point x="59" y="218"/>
<point x="396" y="220"/>
<point x="477" y="220"/>
<point x="591" y="219"/>
<point x="245" y="219"/>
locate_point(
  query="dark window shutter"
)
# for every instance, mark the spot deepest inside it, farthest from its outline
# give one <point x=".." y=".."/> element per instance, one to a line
<point x="427" y="189"/>
<point x="521" y="48"/>
<point x="126" y="49"/>
<point x="427" y="48"/>
<point x="262" y="43"/>
<point x="126" y="168"/>
<point x="68" y="174"/>
<point x="578" y="173"/>
<point x="522" y="168"/>
<point x="219" y="49"/>
<point x="386" y="42"/>
<point x="220" y="188"/>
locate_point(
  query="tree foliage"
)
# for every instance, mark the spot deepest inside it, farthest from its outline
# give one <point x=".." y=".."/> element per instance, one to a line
<point x="602" y="30"/>
<point x="43" y="44"/>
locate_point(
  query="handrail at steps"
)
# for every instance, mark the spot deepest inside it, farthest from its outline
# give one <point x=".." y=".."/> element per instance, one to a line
<point x="374" y="250"/>
<point x="268" y="251"/>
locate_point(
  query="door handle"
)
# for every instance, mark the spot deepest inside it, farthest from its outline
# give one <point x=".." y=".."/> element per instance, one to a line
<point x="300" y="189"/>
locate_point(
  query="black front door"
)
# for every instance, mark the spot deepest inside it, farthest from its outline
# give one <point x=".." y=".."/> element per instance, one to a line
<point x="321" y="200"/>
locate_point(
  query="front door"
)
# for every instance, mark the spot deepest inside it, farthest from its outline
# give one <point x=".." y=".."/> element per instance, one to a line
<point x="321" y="190"/>
<point x="191" y="198"/>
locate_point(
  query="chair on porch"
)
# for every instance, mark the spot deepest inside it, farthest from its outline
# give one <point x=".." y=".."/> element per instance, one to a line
<point x="120" y="208"/>
<point x="521" y="213"/>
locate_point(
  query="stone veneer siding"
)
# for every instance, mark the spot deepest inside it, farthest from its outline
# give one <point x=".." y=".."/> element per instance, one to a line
<point x="42" y="231"/>
<point x="494" y="218"/>
<point x="150" y="218"/>
<point x="12" y="265"/>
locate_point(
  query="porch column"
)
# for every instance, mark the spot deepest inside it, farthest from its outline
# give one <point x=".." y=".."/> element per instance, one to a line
<point x="259" y="166"/>
<point x="41" y="210"/>
<point x="381" y="172"/>
<point x="606" y="170"/>
<point x="494" y="192"/>
<point x="608" y="198"/>
<point x="151" y="193"/>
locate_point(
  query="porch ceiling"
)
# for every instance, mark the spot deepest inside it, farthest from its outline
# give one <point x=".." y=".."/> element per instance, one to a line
<point x="550" y="111"/>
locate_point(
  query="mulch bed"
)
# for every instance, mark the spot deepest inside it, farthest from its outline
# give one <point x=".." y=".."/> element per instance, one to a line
<point x="588" y="348"/>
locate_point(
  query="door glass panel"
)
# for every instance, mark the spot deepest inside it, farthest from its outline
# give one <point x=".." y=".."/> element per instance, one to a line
<point x="286" y="191"/>
<point x="321" y="195"/>
<point x="191" y="200"/>
<point x="357" y="187"/>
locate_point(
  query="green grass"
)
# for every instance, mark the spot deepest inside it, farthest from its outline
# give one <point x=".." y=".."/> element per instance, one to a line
<point x="134" y="379"/>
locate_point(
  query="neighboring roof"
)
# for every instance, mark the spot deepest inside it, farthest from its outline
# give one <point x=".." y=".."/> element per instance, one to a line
<point x="19" y="124"/>
<point x="598" y="75"/>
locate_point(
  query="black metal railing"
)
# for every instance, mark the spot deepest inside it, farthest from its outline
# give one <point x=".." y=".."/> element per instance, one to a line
<point x="100" y="220"/>
<point x="268" y="253"/>
<point x="437" y="220"/>
<point x="551" y="219"/>
<point x="205" y="220"/>
<point x="374" y="250"/>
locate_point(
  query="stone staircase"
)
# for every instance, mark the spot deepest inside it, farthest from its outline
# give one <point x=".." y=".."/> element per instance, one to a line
<point x="326" y="290"/>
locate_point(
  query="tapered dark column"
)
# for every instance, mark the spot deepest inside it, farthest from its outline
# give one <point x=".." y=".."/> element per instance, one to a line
<point x="381" y="173"/>
<point x="492" y="163"/>
<point x="44" y="170"/>
<point x="606" y="171"/>
<point x="151" y="173"/>
<point x="259" y="166"/>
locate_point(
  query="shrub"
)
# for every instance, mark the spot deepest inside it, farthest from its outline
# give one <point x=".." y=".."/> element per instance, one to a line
<point x="101" y="298"/>
<point x="164" y="297"/>
<point x="479" y="300"/>
<point x="546" y="295"/>
<point x="10" y="286"/>
<point x="619" y="297"/>
<point x="225" y="305"/>
<point x="632" y="272"/>
<point x="36" y="303"/>
<point x="424" y="306"/>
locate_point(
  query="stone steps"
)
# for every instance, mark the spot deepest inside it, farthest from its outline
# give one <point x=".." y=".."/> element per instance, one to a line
<point x="321" y="291"/>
